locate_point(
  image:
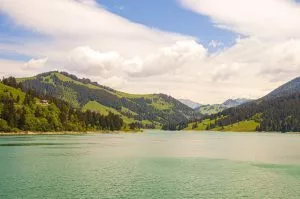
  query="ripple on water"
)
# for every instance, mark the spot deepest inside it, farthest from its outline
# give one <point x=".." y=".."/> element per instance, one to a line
<point x="150" y="166"/>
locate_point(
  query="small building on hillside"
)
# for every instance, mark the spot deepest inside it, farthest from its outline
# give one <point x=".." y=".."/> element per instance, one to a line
<point x="44" y="102"/>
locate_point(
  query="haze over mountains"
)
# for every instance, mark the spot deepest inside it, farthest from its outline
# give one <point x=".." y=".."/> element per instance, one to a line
<point x="190" y="103"/>
<point x="214" y="108"/>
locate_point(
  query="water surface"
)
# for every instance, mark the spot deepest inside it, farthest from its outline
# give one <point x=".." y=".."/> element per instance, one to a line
<point x="151" y="165"/>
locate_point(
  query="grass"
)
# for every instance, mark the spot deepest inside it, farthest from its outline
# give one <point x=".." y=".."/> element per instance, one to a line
<point x="15" y="92"/>
<point x="95" y="106"/>
<point x="161" y="104"/>
<point x="104" y="110"/>
<point x="244" y="126"/>
<point x="157" y="102"/>
<point x="68" y="79"/>
<point x="134" y="96"/>
<point x="200" y="126"/>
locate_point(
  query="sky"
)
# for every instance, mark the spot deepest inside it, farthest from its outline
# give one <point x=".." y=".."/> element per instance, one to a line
<point x="204" y="50"/>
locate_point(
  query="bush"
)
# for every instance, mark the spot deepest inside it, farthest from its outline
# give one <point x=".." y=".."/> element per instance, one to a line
<point x="4" y="126"/>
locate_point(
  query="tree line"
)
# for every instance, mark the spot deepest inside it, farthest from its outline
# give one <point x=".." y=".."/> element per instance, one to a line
<point x="22" y="110"/>
<point x="278" y="114"/>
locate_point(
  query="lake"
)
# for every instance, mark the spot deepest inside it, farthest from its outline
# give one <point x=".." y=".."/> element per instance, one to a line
<point x="154" y="164"/>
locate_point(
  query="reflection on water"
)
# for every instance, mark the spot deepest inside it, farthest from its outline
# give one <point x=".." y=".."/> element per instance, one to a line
<point x="151" y="165"/>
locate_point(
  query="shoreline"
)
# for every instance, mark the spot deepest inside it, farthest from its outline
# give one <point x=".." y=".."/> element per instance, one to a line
<point x="66" y="133"/>
<point x="24" y="133"/>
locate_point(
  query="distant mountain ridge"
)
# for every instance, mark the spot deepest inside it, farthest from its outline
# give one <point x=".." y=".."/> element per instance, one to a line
<point x="235" y="102"/>
<point x="190" y="103"/>
<point x="286" y="89"/>
<point x="217" y="108"/>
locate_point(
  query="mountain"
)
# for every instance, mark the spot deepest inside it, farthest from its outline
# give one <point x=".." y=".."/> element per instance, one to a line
<point x="277" y="111"/>
<point x="289" y="88"/>
<point x="217" y="108"/>
<point x="26" y="111"/>
<point x="190" y="103"/>
<point x="235" y="102"/>
<point x="147" y="111"/>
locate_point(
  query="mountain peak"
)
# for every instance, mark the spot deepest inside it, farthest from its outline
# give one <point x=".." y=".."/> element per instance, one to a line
<point x="190" y="103"/>
<point x="286" y="89"/>
<point x="235" y="102"/>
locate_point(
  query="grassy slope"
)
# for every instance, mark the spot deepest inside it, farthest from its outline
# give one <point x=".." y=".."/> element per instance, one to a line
<point x="200" y="126"/>
<point x="134" y="96"/>
<point x="157" y="103"/>
<point x="244" y="126"/>
<point x="95" y="106"/>
<point x="14" y="91"/>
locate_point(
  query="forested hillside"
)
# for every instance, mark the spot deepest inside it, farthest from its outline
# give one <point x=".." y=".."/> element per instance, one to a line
<point x="146" y="111"/>
<point x="278" y="111"/>
<point x="22" y="110"/>
<point x="287" y="89"/>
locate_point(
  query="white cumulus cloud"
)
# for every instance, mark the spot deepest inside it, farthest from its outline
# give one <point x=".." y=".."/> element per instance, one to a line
<point x="268" y="19"/>
<point x="36" y="64"/>
<point x="85" y="39"/>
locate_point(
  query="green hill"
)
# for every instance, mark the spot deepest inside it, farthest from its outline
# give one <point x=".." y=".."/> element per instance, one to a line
<point x="278" y="111"/>
<point x="152" y="110"/>
<point x="22" y="110"/>
<point x="242" y="126"/>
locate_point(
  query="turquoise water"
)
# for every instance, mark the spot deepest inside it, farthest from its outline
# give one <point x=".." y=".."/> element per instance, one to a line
<point x="151" y="165"/>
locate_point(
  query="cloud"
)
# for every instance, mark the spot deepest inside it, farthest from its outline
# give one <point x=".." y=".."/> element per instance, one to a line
<point x="92" y="25"/>
<point x="166" y="60"/>
<point x="215" y="44"/>
<point x="36" y="64"/>
<point x="105" y="64"/>
<point x="89" y="2"/>
<point x="268" y="19"/>
<point x="89" y="41"/>
<point x="14" y="68"/>
<point x="91" y="62"/>
<point x="224" y="72"/>
<point x="115" y="82"/>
